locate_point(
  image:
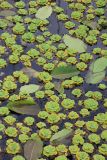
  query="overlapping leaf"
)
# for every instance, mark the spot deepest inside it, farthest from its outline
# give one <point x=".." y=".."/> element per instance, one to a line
<point x="63" y="72"/>
<point x="61" y="137"/>
<point x="97" y="71"/>
<point x="31" y="88"/>
<point x="27" y="106"/>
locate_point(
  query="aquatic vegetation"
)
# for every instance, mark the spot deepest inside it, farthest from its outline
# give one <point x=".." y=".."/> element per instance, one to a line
<point x="103" y="149"/>
<point x="18" y="157"/>
<point x="104" y="135"/>
<point x="94" y="138"/>
<point x="53" y="63"/>
<point x="13" y="148"/>
<point x="90" y="104"/>
<point x="52" y="107"/>
<point x="49" y="151"/>
<point x="88" y="147"/>
<point x="11" y="131"/>
<point x="10" y="120"/>
<point x="74" y="149"/>
<point x="2" y="63"/>
<point x="68" y="103"/>
<point x="4" y="111"/>
<point x="28" y="37"/>
<point x="45" y="133"/>
<point x="92" y="126"/>
<point x="29" y="121"/>
<point x="82" y="156"/>
<point x="19" y="28"/>
<point x="23" y="138"/>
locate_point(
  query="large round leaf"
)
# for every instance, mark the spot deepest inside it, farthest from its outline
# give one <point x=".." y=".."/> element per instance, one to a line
<point x="75" y="43"/>
<point x="44" y="12"/>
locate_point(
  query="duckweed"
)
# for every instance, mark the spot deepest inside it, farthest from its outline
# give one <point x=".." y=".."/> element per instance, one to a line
<point x="68" y="34"/>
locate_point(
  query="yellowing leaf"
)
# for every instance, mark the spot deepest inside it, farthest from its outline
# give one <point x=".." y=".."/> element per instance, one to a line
<point x="27" y="106"/>
<point x="6" y="13"/>
<point x="30" y="72"/>
<point x="74" y="43"/>
<point x="61" y="137"/>
<point x="44" y="12"/>
<point x="33" y="149"/>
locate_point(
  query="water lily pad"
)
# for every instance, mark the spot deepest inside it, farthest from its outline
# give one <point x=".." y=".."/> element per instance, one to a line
<point x="61" y="137"/>
<point x="6" y="13"/>
<point x="27" y="106"/>
<point x="44" y="12"/>
<point x="93" y="78"/>
<point x="31" y="88"/>
<point x="33" y="149"/>
<point x="63" y="72"/>
<point x="30" y="72"/>
<point x="99" y="65"/>
<point x="75" y="43"/>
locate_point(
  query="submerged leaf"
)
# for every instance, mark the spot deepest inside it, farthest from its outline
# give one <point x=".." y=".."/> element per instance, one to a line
<point x="93" y="78"/>
<point x="74" y="43"/>
<point x="6" y="13"/>
<point x="30" y="72"/>
<point x="62" y="137"/>
<point x="31" y="88"/>
<point x="33" y="149"/>
<point x="91" y="24"/>
<point x="99" y="65"/>
<point x="27" y="106"/>
<point x="59" y="87"/>
<point x="63" y="72"/>
<point x="44" y="12"/>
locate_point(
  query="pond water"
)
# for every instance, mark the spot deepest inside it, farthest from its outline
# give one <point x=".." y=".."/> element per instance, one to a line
<point x="62" y="51"/>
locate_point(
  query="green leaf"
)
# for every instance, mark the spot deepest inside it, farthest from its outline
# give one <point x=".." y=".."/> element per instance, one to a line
<point x="99" y="65"/>
<point x="63" y="72"/>
<point x="31" y="88"/>
<point x="30" y="72"/>
<point x="27" y="106"/>
<point x="33" y="149"/>
<point x="74" y="43"/>
<point x="61" y="137"/>
<point x="6" y="13"/>
<point x="93" y="78"/>
<point x="44" y="12"/>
